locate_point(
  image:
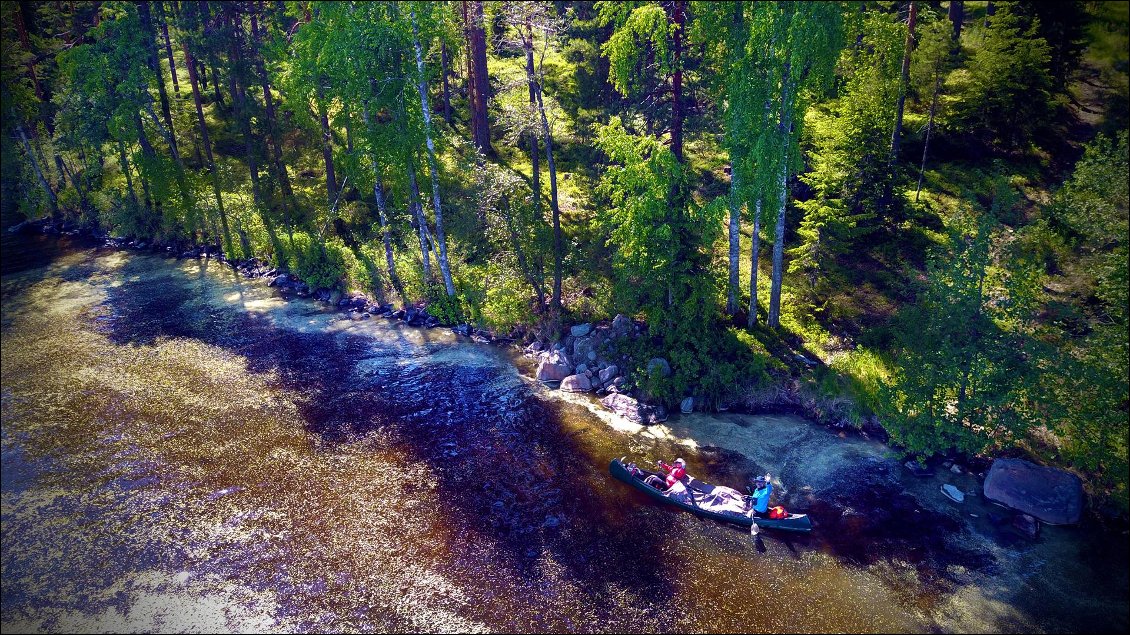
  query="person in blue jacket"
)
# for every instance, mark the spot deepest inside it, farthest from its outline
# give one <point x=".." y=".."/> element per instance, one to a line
<point x="759" y="501"/>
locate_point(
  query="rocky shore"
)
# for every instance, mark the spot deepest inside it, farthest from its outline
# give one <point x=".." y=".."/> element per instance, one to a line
<point x="586" y="360"/>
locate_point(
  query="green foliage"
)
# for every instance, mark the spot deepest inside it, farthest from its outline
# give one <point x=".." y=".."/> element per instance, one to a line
<point x="851" y="137"/>
<point x="1007" y="96"/>
<point x="1087" y="381"/>
<point x="506" y="303"/>
<point x="321" y="265"/>
<point x="646" y="232"/>
<point x="965" y="348"/>
<point x="642" y="37"/>
<point x="448" y="309"/>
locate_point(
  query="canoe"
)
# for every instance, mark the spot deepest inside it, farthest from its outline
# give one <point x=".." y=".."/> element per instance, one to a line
<point x="619" y="470"/>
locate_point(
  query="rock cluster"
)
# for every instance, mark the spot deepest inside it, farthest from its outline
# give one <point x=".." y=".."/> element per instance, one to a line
<point x="583" y="361"/>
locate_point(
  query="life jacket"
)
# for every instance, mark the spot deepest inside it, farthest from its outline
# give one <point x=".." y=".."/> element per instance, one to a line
<point x="777" y="512"/>
<point x="675" y="473"/>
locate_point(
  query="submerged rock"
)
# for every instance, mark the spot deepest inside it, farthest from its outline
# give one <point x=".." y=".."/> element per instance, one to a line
<point x="624" y="406"/>
<point x="1051" y="495"/>
<point x="953" y="493"/>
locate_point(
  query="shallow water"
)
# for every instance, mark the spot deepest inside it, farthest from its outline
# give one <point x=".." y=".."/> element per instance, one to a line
<point x="185" y="450"/>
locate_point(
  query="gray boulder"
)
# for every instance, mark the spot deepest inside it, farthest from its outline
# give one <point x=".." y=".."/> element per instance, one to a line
<point x="658" y="365"/>
<point x="548" y="371"/>
<point x="1051" y="495"/>
<point x="582" y="346"/>
<point x="687" y="405"/>
<point x="580" y="330"/>
<point x="607" y="373"/>
<point x="559" y="357"/>
<point x="576" y="383"/>
<point x="621" y="324"/>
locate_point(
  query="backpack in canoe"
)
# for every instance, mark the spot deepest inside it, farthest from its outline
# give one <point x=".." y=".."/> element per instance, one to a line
<point x="703" y="499"/>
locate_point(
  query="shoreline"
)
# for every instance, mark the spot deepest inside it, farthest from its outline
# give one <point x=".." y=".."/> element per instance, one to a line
<point x="789" y="398"/>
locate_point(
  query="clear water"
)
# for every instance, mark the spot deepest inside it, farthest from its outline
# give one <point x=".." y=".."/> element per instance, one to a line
<point x="184" y="450"/>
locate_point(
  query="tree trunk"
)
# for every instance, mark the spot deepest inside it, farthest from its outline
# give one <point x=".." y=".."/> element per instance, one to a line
<point x="155" y="66"/>
<point x="382" y="215"/>
<point x="417" y="209"/>
<point x="535" y="284"/>
<point x="272" y="128"/>
<point x="422" y="87"/>
<point x="216" y="85"/>
<point x="25" y="42"/>
<point x="678" y="18"/>
<point x="735" y="241"/>
<point x="929" y="129"/>
<point x="956" y="15"/>
<point x="784" y="129"/>
<point x="38" y="171"/>
<point x="990" y="11"/>
<point x="531" y="79"/>
<point x="558" y="239"/>
<point x="753" y="262"/>
<point x="189" y="62"/>
<point x="123" y="162"/>
<point x="478" y="81"/>
<point x="327" y="146"/>
<point x="161" y="16"/>
<point x="446" y="62"/>
<point x="903" y="83"/>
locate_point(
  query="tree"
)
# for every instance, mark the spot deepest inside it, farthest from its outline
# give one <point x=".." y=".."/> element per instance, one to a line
<point x="851" y="173"/>
<point x="935" y="52"/>
<point x="650" y="36"/>
<point x="422" y="87"/>
<point x="1086" y="382"/>
<point x="478" y="82"/>
<point x="801" y="42"/>
<point x="896" y="135"/>
<point x="526" y="18"/>
<point x="966" y="377"/>
<point x="1007" y="94"/>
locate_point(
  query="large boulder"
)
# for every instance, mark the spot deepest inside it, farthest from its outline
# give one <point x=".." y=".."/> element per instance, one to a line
<point x="607" y="373"/>
<point x="621" y="324"/>
<point x="624" y="406"/>
<point x="558" y="357"/>
<point x="1052" y="495"/>
<point x="582" y="346"/>
<point x="576" y="383"/>
<point x="580" y="330"/>
<point x="548" y="371"/>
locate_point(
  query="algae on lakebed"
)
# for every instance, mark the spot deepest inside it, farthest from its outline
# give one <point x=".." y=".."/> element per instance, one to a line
<point x="175" y="423"/>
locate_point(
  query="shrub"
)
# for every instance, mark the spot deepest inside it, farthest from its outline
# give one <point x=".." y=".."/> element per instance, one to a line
<point x="319" y="265"/>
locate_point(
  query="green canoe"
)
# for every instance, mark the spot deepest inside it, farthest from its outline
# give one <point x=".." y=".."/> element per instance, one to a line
<point x="792" y="522"/>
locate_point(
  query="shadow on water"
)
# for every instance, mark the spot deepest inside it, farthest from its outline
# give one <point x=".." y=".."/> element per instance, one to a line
<point x="506" y="465"/>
